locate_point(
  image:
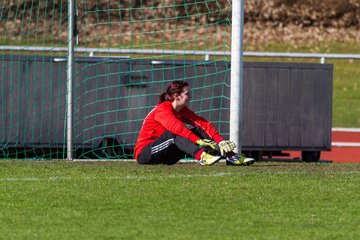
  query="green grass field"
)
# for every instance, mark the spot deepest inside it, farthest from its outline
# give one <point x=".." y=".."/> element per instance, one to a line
<point x="123" y="200"/>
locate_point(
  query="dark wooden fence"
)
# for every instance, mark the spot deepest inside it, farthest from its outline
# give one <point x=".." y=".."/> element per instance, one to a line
<point x="287" y="106"/>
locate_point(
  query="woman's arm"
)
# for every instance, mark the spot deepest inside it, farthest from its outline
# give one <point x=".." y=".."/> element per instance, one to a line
<point x="166" y="117"/>
<point x="198" y="121"/>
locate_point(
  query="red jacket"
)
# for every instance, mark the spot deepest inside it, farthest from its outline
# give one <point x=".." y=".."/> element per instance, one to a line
<point x="164" y="117"/>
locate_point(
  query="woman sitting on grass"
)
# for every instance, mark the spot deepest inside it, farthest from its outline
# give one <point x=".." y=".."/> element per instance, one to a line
<point x="165" y="139"/>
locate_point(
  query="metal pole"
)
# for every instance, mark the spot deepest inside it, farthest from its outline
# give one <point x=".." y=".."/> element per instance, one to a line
<point x="236" y="92"/>
<point x="322" y="60"/>
<point x="69" y="90"/>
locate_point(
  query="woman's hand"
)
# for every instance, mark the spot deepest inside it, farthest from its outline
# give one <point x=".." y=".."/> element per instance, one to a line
<point x="208" y="144"/>
<point x="226" y="146"/>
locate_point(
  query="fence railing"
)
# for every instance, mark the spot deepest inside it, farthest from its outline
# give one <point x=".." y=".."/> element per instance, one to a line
<point x="206" y="54"/>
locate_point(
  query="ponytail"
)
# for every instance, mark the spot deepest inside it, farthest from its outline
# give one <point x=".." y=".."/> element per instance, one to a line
<point x="174" y="87"/>
<point x="162" y="97"/>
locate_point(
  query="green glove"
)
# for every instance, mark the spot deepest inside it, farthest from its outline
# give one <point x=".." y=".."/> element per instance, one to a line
<point x="208" y="144"/>
<point x="226" y="146"/>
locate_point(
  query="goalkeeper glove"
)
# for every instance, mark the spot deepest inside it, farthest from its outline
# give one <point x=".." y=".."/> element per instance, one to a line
<point x="226" y="146"/>
<point x="208" y="144"/>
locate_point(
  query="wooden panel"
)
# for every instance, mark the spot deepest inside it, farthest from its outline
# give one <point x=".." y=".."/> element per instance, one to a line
<point x="294" y="131"/>
<point x="259" y="106"/>
<point x="248" y="102"/>
<point x="308" y="109"/>
<point x="272" y="76"/>
<point x="283" y="107"/>
<point x="295" y="95"/>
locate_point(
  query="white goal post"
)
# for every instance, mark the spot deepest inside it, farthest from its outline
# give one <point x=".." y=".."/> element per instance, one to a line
<point x="236" y="92"/>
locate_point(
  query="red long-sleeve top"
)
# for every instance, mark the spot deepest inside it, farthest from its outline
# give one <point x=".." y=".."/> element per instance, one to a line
<point x="164" y="117"/>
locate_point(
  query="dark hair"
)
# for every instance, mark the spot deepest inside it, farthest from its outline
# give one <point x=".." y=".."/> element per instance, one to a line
<point x="174" y="87"/>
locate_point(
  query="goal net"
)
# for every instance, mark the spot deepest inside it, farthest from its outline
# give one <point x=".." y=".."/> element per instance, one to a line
<point x="125" y="54"/>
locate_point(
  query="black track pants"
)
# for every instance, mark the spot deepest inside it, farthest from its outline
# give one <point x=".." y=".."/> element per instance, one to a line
<point x="170" y="148"/>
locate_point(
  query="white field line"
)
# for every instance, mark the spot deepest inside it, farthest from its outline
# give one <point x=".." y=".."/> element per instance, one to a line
<point x="220" y="174"/>
<point x="61" y="178"/>
<point x="345" y="144"/>
<point x="346" y="129"/>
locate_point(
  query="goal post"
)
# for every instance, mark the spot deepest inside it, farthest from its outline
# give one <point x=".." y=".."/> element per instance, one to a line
<point x="237" y="73"/>
<point x="85" y="96"/>
<point x="69" y="80"/>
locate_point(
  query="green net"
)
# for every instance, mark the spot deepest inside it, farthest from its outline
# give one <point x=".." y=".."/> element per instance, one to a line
<point x="126" y="52"/>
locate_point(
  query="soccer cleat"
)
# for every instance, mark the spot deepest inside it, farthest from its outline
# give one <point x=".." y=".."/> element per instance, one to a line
<point x="241" y="160"/>
<point x="207" y="159"/>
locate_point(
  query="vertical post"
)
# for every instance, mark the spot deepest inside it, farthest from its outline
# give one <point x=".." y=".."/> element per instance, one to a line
<point x="236" y="92"/>
<point x="322" y="60"/>
<point x="69" y="86"/>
